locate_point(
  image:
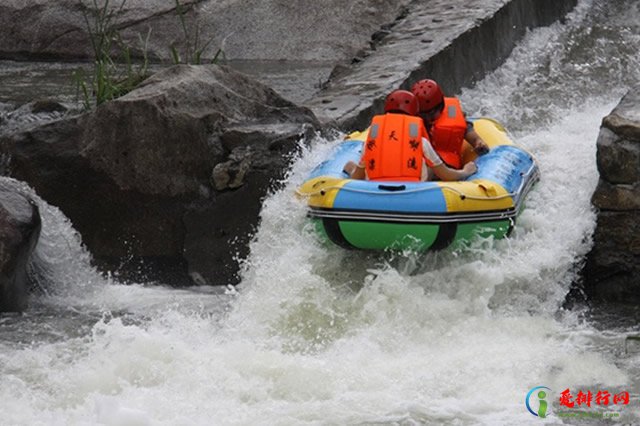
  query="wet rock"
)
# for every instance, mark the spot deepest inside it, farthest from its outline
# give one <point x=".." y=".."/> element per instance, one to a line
<point x="246" y="29"/>
<point x="19" y="232"/>
<point x="231" y="174"/>
<point x="172" y="174"/>
<point x="618" y="157"/>
<point x="612" y="271"/>
<point x="47" y="106"/>
<point x="618" y="197"/>
<point x="31" y="114"/>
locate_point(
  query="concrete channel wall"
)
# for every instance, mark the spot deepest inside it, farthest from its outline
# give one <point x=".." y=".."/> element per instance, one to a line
<point x="454" y="43"/>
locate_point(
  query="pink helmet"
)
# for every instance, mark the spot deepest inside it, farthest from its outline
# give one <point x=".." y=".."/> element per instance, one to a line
<point x="428" y="93"/>
<point x="401" y="100"/>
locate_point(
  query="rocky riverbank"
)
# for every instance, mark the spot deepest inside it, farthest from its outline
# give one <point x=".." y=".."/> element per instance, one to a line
<point x="613" y="267"/>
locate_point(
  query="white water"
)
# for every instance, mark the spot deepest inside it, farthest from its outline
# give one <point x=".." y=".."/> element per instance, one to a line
<point x="318" y="335"/>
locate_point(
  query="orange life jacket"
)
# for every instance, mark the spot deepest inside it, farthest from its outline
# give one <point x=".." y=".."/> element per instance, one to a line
<point x="393" y="148"/>
<point x="447" y="133"/>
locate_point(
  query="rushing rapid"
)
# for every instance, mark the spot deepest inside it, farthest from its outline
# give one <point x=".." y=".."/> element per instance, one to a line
<point x="315" y="334"/>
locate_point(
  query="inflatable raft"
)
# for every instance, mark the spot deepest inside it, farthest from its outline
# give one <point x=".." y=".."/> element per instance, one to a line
<point x="421" y="216"/>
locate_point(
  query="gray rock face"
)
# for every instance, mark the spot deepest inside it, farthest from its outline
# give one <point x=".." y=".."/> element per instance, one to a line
<point x="42" y="29"/>
<point x="247" y="29"/>
<point x="618" y="158"/>
<point x="612" y="271"/>
<point x="19" y="231"/>
<point x="172" y="173"/>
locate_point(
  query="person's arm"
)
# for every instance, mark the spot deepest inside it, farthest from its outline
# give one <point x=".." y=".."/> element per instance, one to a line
<point x="445" y="172"/>
<point x="440" y="169"/>
<point x="478" y="144"/>
<point x="355" y="171"/>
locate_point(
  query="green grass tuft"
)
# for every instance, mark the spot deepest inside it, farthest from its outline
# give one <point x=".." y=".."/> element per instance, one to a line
<point x="193" y="48"/>
<point x="114" y="72"/>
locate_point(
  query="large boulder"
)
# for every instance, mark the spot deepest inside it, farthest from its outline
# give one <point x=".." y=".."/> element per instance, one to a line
<point x="19" y="231"/>
<point x="247" y="29"/>
<point x="612" y="271"/>
<point x="170" y="176"/>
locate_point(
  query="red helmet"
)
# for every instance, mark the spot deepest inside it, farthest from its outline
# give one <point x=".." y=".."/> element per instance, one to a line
<point x="428" y="93"/>
<point x="401" y="100"/>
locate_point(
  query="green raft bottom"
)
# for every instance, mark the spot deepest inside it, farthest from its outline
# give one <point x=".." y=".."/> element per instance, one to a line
<point x="407" y="236"/>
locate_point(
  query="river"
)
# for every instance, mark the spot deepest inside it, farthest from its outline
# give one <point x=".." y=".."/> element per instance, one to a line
<point x="319" y="335"/>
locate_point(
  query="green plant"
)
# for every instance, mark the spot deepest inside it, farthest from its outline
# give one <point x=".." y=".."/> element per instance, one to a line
<point x="193" y="49"/>
<point x="114" y="72"/>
